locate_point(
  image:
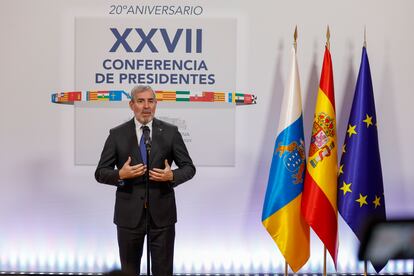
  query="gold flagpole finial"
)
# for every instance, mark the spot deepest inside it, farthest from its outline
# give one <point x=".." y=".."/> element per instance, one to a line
<point x="295" y="38"/>
<point x="328" y="36"/>
<point x="365" y="36"/>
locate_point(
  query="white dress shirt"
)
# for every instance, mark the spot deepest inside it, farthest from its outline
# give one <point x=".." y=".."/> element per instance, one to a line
<point x="138" y="129"/>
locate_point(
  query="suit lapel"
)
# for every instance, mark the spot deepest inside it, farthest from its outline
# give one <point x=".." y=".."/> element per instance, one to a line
<point x="133" y="141"/>
<point x="156" y="139"/>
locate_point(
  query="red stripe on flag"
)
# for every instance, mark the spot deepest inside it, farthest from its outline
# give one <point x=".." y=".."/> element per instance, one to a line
<point x="326" y="83"/>
<point x="320" y="215"/>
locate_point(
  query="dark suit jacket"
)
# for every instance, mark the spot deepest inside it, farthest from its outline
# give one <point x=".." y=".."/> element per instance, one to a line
<point x="167" y="143"/>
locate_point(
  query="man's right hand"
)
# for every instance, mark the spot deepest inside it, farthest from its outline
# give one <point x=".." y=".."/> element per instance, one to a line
<point x="128" y="171"/>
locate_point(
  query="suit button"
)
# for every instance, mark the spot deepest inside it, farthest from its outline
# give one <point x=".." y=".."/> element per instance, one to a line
<point x="142" y="197"/>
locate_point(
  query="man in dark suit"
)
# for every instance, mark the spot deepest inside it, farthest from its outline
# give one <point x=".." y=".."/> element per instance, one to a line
<point x="122" y="164"/>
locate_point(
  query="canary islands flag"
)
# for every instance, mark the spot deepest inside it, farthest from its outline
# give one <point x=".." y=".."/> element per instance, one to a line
<point x="319" y="205"/>
<point x="281" y="211"/>
<point x="360" y="187"/>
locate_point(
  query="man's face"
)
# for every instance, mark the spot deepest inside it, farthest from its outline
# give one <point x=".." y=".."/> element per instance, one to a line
<point x="143" y="106"/>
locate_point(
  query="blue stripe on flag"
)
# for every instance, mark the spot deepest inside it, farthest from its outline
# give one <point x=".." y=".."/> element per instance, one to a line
<point x="281" y="188"/>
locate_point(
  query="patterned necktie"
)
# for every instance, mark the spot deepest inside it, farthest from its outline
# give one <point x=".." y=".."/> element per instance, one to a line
<point x="142" y="147"/>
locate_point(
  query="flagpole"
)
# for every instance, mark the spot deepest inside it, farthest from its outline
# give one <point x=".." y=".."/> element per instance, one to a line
<point x="286" y="268"/>
<point x="295" y="38"/>
<point x="365" y="268"/>
<point x="324" y="260"/>
<point x="365" y="46"/>
<point x="365" y="37"/>
<point x="328" y="36"/>
<point x="328" y="45"/>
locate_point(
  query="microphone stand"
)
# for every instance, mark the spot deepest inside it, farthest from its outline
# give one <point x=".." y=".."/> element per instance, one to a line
<point x="147" y="218"/>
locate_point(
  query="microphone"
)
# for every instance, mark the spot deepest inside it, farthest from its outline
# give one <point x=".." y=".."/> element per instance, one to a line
<point x="147" y="137"/>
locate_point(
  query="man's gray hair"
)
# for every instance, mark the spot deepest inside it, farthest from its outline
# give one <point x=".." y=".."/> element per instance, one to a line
<point x="141" y="88"/>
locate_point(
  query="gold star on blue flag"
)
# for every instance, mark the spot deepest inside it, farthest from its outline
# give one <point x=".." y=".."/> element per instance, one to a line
<point x="361" y="163"/>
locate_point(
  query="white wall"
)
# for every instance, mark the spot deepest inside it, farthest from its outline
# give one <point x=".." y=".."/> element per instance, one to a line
<point x="55" y="217"/>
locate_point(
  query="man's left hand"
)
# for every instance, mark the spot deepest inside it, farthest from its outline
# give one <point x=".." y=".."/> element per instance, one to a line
<point x="162" y="174"/>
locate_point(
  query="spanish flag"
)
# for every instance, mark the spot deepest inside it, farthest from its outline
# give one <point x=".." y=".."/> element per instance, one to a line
<point x="319" y="206"/>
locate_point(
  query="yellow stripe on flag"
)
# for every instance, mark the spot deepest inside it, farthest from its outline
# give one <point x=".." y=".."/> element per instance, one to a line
<point x="325" y="173"/>
<point x="291" y="233"/>
<point x="169" y="96"/>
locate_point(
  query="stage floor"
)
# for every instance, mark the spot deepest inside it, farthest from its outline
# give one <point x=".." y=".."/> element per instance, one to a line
<point x="117" y="273"/>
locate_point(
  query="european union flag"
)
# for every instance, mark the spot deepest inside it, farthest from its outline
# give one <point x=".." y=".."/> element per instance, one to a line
<point x="360" y="186"/>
